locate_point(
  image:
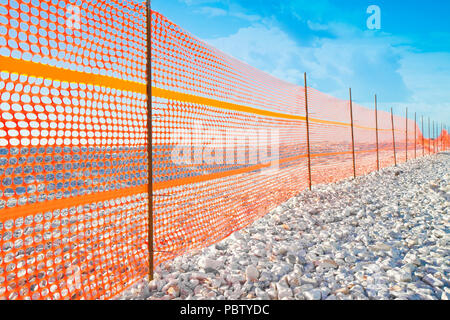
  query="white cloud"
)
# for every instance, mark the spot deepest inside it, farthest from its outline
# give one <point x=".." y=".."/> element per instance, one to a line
<point x="333" y="64"/>
<point x="211" y="11"/>
<point x="255" y="46"/>
<point x="427" y="75"/>
<point x="198" y="2"/>
<point x="317" y="26"/>
<point x="232" y="10"/>
<point x="369" y="64"/>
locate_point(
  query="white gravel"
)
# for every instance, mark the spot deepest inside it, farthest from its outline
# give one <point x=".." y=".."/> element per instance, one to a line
<point x="381" y="236"/>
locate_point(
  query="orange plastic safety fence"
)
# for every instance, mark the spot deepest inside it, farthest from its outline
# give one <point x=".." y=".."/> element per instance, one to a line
<point x="219" y="124"/>
<point x="229" y="145"/>
<point x="73" y="160"/>
<point x="229" y="142"/>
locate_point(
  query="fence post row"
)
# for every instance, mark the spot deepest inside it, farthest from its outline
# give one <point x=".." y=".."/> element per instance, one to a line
<point x="149" y="143"/>
<point x="353" y="137"/>
<point x="376" y="130"/>
<point x="393" y="137"/>
<point x="307" y="133"/>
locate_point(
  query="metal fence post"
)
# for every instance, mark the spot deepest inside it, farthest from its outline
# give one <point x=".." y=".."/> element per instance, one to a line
<point x="393" y="137"/>
<point x="353" y="137"/>
<point x="149" y="143"/>
<point x="376" y="130"/>
<point x="307" y="133"/>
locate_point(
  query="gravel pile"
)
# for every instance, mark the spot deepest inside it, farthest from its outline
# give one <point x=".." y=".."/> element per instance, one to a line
<point x="381" y="236"/>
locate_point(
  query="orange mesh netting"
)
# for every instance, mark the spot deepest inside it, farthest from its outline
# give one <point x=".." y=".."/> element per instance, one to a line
<point x="229" y="145"/>
<point x="73" y="160"/>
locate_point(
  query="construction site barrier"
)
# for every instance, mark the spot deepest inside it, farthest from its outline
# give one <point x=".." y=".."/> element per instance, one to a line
<point x="229" y="143"/>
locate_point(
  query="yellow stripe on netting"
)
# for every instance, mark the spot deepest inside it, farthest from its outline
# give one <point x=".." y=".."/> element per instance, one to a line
<point x="40" y="70"/>
<point x="190" y="98"/>
<point x="28" y="209"/>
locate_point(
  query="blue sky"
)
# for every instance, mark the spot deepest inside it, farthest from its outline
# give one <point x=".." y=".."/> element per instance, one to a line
<point x="406" y="63"/>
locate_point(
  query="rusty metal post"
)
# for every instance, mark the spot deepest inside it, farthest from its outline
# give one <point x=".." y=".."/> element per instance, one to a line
<point x="149" y="143"/>
<point x="406" y="120"/>
<point x="307" y="134"/>
<point x="376" y="130"/>
<point x="393" y="137"/>
<point x="353" y="136"/>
